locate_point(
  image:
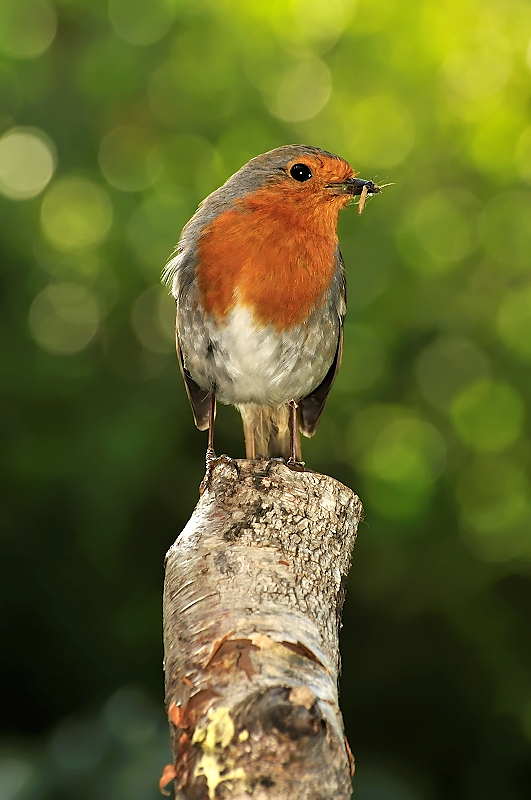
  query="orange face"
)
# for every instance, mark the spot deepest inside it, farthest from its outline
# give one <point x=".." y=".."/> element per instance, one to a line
<point x="325" y="192"/>
<point x="326" y="171"/>
<point x="275" y="250"/>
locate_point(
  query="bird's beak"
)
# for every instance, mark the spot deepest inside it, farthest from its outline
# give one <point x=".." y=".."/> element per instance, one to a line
<point x="353" y="186"/>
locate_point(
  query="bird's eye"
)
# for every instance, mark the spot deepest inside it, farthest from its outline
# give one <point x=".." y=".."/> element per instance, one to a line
<point x="300" y="172"/>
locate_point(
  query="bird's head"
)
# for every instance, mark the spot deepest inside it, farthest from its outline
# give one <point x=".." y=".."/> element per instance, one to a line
<point x="298" y="176"/>
<point x="294" y="185"/>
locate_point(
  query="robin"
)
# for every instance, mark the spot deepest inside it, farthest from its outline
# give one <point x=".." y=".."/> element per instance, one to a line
<point x="259" y="285"/>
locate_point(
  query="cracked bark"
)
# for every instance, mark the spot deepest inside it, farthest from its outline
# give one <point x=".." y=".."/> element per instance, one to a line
<point x="253" y="597"/>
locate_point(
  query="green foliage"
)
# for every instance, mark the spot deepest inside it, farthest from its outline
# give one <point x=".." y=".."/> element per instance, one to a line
<point x="116" y="120"/>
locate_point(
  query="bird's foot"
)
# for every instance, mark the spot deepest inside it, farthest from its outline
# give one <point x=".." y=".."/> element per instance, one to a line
<point x="295" y="466"/>
<point x="212" y="460"/>
<point x="232" y="462"/>
<point x="271" y="462"/>
<point x="290" y="463"/>
<point x="210" y="464"/>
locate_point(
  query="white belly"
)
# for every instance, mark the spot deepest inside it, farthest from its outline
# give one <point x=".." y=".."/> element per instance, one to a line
<point x="248" y="363"/>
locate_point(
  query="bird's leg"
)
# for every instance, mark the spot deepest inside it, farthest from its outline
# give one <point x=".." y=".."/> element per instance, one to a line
<point x="292" y="429"/>
<point x="292" y="462"/>
<point x="210" y="453"/>
<point x="211" y="458"/>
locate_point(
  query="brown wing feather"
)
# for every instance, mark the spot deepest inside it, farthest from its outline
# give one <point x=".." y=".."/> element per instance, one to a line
<point x="199" y="398"/>
<point x="311" y="407"/>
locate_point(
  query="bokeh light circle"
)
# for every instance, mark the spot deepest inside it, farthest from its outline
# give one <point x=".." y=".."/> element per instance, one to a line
<point x="77" y="746"/>
<point x="514" y="321"/>
<point x="488" y="415"/>
<point x="11" y="94"/>
<point x="17" y="777"/>
<point x="76" y="214"/>
<point x="64" y="318"/>
<point x="400" y="457"/>
<point x="480" y="73"/>
<point x="380" y="131"/>
<point x="523" y="155"/>
<point x="493" y="494"/>
<point x="130" y="158"/>
<point x="505" y="229"/>
<point x="154" y="228"/>
<point x="303" y="91"/>
<point x="363" y="359"/>
<point x="27" y="27"/>
<point x="318" y="22"/>
<point x="447" y="366"/>
<point x="443" y="229"/>
<point x="141" y="22"/>
<point x="153" y="319"/>
<point x="408" y="452"/>
<point x="27" y="163"/>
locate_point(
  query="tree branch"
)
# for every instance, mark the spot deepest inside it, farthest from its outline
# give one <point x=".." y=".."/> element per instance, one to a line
<point x="252" y="608"/>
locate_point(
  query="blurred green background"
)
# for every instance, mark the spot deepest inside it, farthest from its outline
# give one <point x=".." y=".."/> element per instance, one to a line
<point x="117" y="118"/>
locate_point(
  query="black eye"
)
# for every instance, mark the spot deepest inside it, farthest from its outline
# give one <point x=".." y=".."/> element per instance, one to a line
<point x="300" y="172"/>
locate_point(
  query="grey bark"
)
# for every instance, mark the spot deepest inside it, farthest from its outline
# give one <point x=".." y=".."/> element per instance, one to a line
<point x="253" y="597"/>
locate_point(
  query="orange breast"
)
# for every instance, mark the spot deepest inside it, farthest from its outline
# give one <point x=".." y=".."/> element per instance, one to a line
<point x="273" y="253"/>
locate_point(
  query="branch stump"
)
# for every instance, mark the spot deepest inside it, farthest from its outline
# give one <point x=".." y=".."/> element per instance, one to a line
<point x="253" y="598"/>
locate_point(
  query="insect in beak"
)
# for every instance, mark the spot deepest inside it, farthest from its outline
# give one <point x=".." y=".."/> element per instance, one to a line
<point x="363" y="197"/>
<point x="355" y="186"/>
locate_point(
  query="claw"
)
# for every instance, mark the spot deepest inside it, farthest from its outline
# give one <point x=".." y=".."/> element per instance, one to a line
<point x="271" y="462"/>
<point x="295" y="466"/>
<point x="224" y="459"/>
<point x="212" y="460"/>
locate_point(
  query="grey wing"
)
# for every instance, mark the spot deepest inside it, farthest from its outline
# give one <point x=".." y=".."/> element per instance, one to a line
<point x="179" y="274"/>
<point x="311" y="407"/>
<point x="199" y="398"/>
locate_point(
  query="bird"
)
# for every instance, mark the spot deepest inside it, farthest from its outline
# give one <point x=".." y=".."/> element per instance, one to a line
<point x="259" y="285"/>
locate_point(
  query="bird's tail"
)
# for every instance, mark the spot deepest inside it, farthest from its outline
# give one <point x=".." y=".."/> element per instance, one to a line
<point x="266" y="432"/>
